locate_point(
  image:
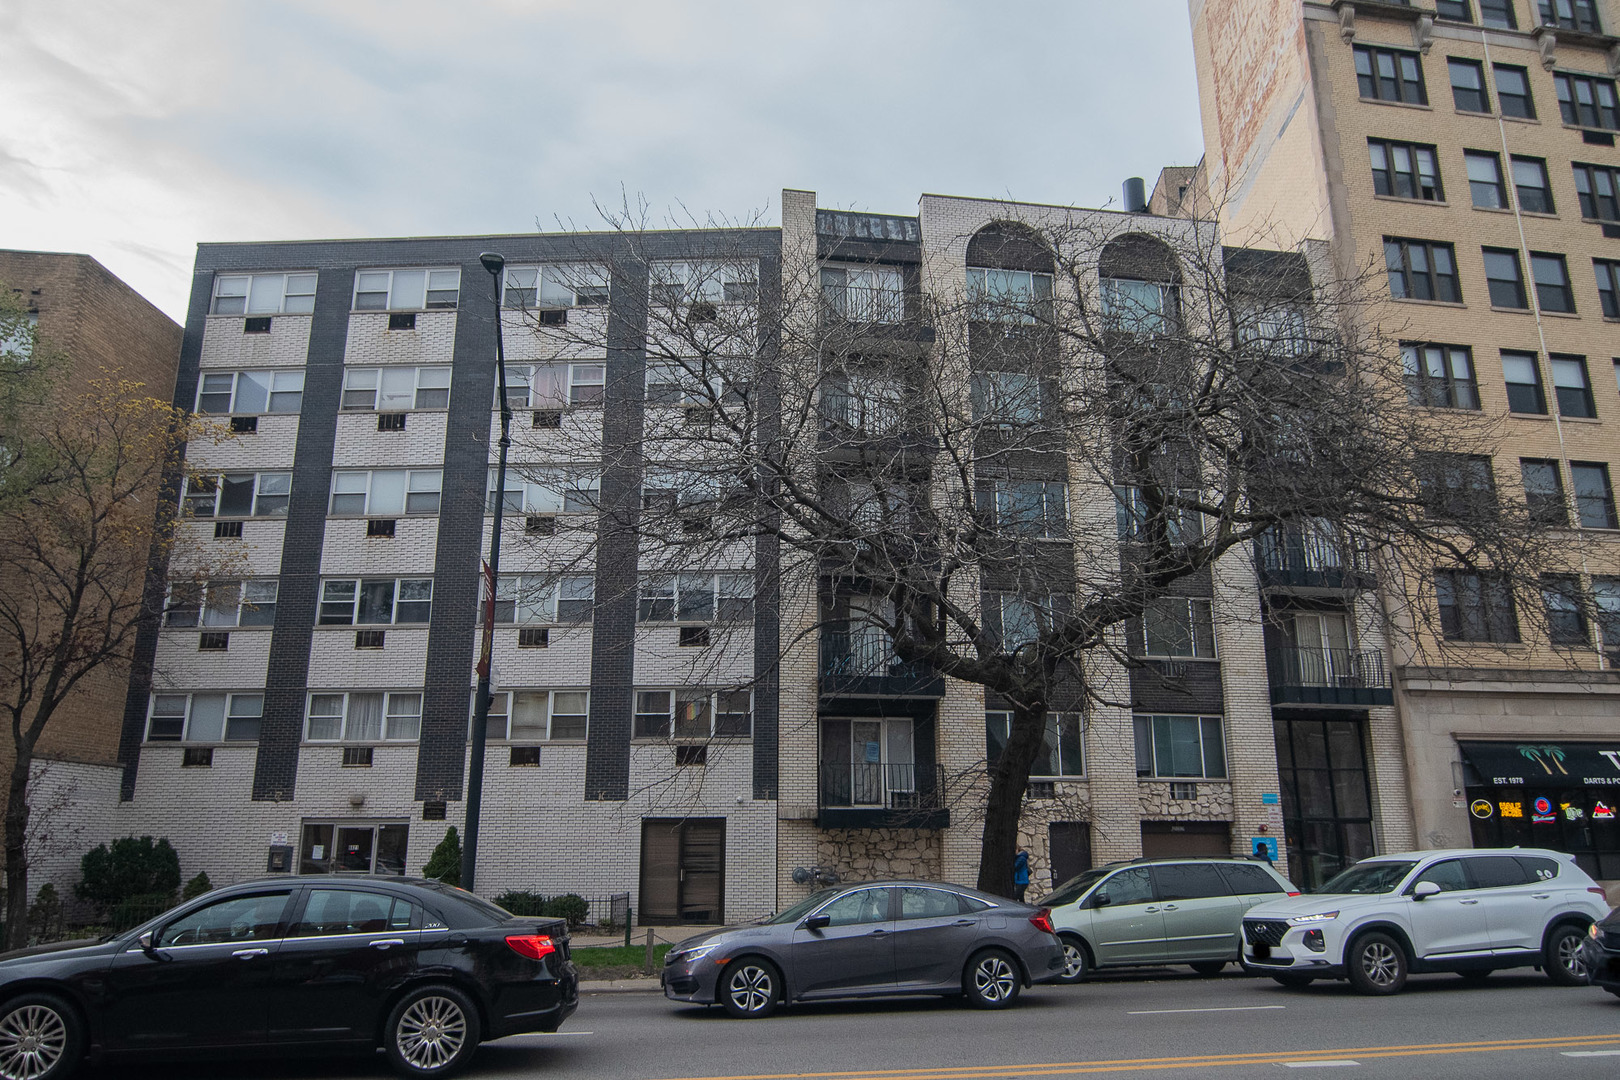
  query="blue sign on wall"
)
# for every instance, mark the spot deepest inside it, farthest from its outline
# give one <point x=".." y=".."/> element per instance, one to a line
<point x="1266" y="847"/>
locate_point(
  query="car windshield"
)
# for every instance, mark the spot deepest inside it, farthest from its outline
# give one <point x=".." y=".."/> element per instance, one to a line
<point x="1071" y="890"/>
<point x="1369" y="878"/>
<point x="799" y="910"/>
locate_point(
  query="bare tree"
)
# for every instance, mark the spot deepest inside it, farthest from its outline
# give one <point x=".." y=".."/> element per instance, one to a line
<point x="998" y="472"/>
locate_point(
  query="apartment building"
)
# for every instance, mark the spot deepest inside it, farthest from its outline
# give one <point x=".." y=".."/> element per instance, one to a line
<point x="1463" y="151"/>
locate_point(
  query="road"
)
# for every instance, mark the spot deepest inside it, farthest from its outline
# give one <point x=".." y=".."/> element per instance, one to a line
<point x="1515" y="1024"/>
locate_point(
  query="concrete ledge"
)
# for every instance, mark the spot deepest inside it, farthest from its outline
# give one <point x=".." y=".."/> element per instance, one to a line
<point x="647" y="985"/>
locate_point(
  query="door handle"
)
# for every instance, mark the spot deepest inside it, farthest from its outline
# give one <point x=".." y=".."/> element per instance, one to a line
<point x="1150" y="909"/>
<point x="1541" y="896"/>
<point x="963" y="922"/>
<point x="248" y="954"/>
<point x="383" y="943"/>
<point x="1171" y="907"/>
<point x="877" y="933"/>
<point x="1468" y="901"/>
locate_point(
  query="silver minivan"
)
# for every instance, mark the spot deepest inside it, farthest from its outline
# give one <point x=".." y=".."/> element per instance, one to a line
<point x="1159" y="911"/>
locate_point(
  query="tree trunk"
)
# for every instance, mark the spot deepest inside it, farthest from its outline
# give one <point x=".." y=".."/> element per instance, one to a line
<point x="1009" y="779"/>
<point x="17" y="851"/>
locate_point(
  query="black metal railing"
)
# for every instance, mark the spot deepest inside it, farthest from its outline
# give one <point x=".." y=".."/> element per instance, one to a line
<point x="848" y="225"/>
<point x="896" y="786"/>
<point x="1343" y="669"/>
<point x="1318" y="558"/>
<point x="864" y="656"/>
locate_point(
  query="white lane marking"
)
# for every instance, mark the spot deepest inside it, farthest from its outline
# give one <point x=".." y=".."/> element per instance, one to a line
<point x="1229" y="1008"/>
<point x="1591" y="1053"/>
<point x="1317" y="1064"/>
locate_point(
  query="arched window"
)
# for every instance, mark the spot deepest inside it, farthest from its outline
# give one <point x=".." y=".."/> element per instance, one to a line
<point x="1009" y="273"/>
<point x="1141" y="280"/>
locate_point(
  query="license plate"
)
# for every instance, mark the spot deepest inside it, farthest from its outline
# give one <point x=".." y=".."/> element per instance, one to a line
<point x="1262" y="952"/>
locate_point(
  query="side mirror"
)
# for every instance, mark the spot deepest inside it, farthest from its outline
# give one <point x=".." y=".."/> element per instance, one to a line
<point x="1425" y="889"/>
<point x="817" y="922"/>
<point x="1100" y="899"/>
<point x="145" y="942"/>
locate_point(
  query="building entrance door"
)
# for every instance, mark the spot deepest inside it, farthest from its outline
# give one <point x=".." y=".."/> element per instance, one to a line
<point x="1071" y="849"/>
<point x="683" y="871"/>
<point x="1327" y="806"/>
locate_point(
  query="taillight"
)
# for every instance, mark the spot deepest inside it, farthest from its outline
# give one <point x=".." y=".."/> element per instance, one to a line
<point x="1600" y="890"/>
<point x="1042" y="921"/>
<point x="1296" y="894"/>
<point x="534" y="946"/>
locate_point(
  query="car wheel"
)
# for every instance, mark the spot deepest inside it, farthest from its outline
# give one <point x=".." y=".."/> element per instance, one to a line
<point x="750" y="988"/>
<point x="1293" y="982"/>
<point x="1376" y="964"/>
<point x="991" y="980"/>
<point x="1561" y="957"/>
<point x="41" y="1038"/>
<point x="433" y="1031"/>
<point x="1207" y="968"/>
<point x="1076" y="961"/>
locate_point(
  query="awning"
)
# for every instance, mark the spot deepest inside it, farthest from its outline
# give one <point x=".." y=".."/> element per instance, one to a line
<point x="1545" y="764"/>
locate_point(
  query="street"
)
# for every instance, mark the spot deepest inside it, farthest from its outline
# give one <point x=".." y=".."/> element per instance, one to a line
<point x="1167" y="1023"/>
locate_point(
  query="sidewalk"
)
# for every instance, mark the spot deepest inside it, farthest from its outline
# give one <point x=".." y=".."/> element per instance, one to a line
<point x="646" y="984"/>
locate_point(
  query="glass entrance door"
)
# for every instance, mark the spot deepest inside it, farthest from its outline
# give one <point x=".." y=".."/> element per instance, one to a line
<point x="1327" y="805"/>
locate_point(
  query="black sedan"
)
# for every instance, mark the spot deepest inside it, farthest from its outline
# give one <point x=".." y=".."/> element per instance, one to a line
<point x="1600" y="953"/>
<point x="875" y="938"/>
<point x="423" y="970"/>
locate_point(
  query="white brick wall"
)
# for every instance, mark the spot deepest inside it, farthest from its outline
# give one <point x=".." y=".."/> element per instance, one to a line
<point x="256" y="554"/>
<point x="180" y="666"/>
<point x="371" y="342"/>
<point x="359" y="445"/>
<point x="335" y="664"/>
<point x="225" y="346"/>
<point x="271" y="447"/>
<point x="411" y="550"/>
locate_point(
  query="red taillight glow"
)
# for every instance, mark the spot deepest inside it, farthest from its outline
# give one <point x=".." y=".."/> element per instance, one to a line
<point x="534" y="946"/>
<point x="1599" y="890"/>
<point x="1042" y="921"/>
<point x="1296" y="894"/>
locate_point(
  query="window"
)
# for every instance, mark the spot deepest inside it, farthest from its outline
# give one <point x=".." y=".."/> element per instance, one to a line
<point x="1543" y="491"/>
<point x="873" y="294"/>
<point x="361" y="847"/>
<point x="1513" y="91"/>
<point x="347" y="911"/>
<point x="1023" y="619"/>
<point x="1405" y="170"/>
<point x="532" y="490"/>
<point x="1566" y="612"/>
<point x="1498" y="13"/>
<point x="1440" y="376"/>
<point x="396" y="389"/>
<point x="555" y="386"/>
<point x="1014" y="296"/>
<point x="386" y="492"/>
<point x="237" y="919"/>
<point x="1061" y="754"/>
<point x="1279" y="330"/>
<point x="1594" y="498"/>
<point x="526" y="599"/>
<point x="1485" y="179"/>
<point x="1032" y="507"/>
<point x="555" y="287"/>
<point x="1390" y="75"/>
<point x="1140" y="307"/>
<point x="1523" y="377"/>
<point x="17" y="347"/>
<point x="1596" y="186"/>
<point x="694" y="714"/>
<point x="238" y="495"/>
<point x="867" y="402"/>
<point x="1475" y="606"/>
<point x="1454" y="9"/>
<point x="1133" y="518"/>
<point x="1586" y="100"/>
<point x="1180" y="627"/>
<point x="683" y="384"/>
<point x="1505" y="277"/>
<point x="250" y="392"/>
<point x="1468" y="85"/>
<point x="375" y="601"/>
<point x="1531" y="185"/>
<point x="1180" y="746"/>
<point x="539" y="715"/>
<point x="696" y="598"/>
<point x="364" y="717"/>
<point x="222" y="603"/>
<point x="1572" y="387"/>
<point x="1006" y="398"/>
<point x="1606" y="607"/>
<point x="705" y="282"/>
<point x="1421" y="270"/>
<point x="1571" y="15"/>
<point x="1457" y="485"/>
<point x="1608" y="282"/>
<point x="687" y="491"/>
<point x="406" y="290"/>
<point x="1552" y="282"/>
<point x="263" y="294"/>
<point x="205" y="718"/>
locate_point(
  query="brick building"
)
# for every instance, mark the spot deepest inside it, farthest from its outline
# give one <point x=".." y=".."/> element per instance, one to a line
<point x="1466" y="147"/>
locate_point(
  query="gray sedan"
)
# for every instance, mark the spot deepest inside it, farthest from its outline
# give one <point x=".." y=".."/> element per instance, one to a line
<point x="874" y="938"/>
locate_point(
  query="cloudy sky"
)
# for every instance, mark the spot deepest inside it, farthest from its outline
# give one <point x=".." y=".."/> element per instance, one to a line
<point x="132" y="130"/>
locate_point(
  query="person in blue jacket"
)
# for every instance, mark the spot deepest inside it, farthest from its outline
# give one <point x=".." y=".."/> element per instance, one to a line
<point x="1021" y="874"/>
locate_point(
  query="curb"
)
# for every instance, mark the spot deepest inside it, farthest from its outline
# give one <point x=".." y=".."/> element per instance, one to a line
<point x="620" y="986"/>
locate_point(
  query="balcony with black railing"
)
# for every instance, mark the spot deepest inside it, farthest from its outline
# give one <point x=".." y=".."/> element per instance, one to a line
<point x="1301" y="675"/>
<point x="871" y="795"/>
<point x="864" y="665"/>
<point x="1313" y="561"/>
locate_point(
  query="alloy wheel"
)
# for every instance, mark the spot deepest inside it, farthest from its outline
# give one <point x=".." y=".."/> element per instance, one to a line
<point x="750" y="988"/>
<point x="32" y="1040"/>
<point x="431" y="1032"/>
<point x="1569" y="956"/>
<point x="994" y="979"/>
<point x="1074" y="959"/>
<point x="1380" y="963"/>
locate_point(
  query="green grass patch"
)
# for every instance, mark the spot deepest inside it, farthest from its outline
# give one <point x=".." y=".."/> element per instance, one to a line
<point x="606" y="956"/>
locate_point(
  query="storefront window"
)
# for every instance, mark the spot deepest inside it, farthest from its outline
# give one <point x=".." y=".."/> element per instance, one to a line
<point x="1562" y="796"/>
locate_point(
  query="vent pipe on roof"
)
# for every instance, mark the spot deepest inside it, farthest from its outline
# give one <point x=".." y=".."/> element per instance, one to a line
<point x="1135" y="195"/>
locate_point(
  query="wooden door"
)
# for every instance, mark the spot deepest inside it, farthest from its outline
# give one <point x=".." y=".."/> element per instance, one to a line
<point x="1071" y="849"/>
<point x="682" y="871"/>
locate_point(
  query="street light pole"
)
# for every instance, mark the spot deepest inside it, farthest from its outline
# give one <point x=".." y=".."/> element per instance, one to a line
<point x="494" y="263"/>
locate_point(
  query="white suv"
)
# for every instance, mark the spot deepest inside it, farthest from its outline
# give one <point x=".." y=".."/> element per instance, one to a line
<point x="1469" y="910"/>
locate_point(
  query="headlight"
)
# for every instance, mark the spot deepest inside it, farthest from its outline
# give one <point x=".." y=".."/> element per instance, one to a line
<point x="686" y="956"/>
<point x="1592" y="931"/>
<point x="1320" y="916"/>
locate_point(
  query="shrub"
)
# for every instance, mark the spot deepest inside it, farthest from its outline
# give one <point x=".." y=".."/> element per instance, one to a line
<point x="522" y="902"/>
<point x="131" y="867"/>
<point x="445" y="862"/>
<point x="568" y="906"/>
<point x="196" y="887"/>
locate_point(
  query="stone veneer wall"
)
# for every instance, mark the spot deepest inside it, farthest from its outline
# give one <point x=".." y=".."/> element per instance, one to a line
<point x="874" y="854"/>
